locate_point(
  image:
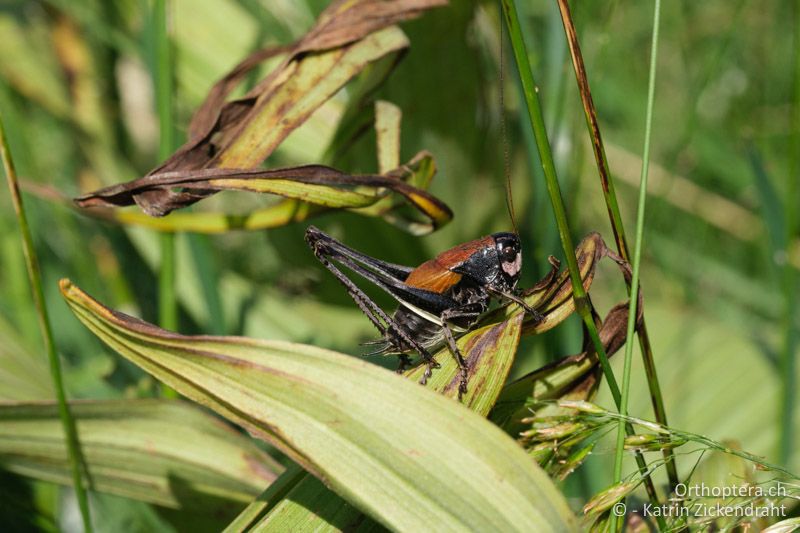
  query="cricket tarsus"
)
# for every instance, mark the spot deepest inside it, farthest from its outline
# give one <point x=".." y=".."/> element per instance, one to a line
<point x="447" y="293"/>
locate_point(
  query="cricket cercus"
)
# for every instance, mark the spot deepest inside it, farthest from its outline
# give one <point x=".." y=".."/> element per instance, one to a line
<point x="441" y="296"/>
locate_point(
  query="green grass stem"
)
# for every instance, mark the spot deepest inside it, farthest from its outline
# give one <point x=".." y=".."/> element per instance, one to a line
<point x="582" y="304"/>
<point x="617" y="226"/>
<point x="201" y="247"/>
<point x="34" y="275"/>
<point x="553" y="188"/>
<point x="164" y="88"/>
<point x="788" y="356"/>
<point x="637" y="250"/>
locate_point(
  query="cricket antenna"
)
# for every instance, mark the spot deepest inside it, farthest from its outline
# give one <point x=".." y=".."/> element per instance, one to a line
<point x="503" y="133"/>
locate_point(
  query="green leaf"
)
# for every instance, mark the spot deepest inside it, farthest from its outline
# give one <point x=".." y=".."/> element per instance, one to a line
<point x="489" y="353"/>
<point x="165" y="452"/>
<point x="408" y="457"/>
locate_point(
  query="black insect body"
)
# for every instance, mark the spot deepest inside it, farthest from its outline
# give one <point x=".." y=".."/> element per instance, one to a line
<point x="444" y="295"/>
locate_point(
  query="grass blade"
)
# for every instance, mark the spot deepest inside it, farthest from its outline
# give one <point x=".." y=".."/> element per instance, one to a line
<point x="164" y="88"/>
<point x="582" y="304"/>
<point x="31" y="262"/>
<point x="637" y="250"/>
<point x="789" y="357"/>
<point x="615" y="217"/>
<point x="553" y="188"/>
<point x="267" y="500"/>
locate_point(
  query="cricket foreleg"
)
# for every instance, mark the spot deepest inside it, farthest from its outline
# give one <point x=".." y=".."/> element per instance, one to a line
<point x="537" y="316"/>
<point x="468" y="311"/>
<point x="462" y="365"/>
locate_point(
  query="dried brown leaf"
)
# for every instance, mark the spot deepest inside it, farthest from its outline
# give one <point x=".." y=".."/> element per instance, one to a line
<point x="227" y="140"/>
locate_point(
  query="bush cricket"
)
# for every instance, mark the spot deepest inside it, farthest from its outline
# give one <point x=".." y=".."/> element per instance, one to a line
<point x="439" y="298"/>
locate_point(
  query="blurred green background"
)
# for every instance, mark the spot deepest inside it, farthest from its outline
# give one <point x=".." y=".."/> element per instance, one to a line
<point x="721" y="246"/>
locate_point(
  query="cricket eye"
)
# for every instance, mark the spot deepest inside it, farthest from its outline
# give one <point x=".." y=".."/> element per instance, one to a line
<point x="509" y="254"/>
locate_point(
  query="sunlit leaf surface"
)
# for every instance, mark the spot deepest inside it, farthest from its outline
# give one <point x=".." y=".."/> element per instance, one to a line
<point x="403" y="454"/>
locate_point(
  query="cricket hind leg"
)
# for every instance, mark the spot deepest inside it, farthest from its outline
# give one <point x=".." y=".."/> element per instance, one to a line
<point x="386" y="325"/>
<point x="462" y="365"/>
<point x="367" y="306"/>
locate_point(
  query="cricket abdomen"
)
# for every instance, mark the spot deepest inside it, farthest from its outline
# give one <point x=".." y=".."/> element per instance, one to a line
<point x="426" y="328"/>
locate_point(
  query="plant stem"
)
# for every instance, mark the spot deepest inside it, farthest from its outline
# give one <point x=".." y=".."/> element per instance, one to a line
<point x="582" y="303"/>
<point x="554" y="190"/>
<point x="199" y="245"/>
<point x="788" y="357"/>
<point x="615" y="217"/>
<point x="31" y="262"/>
<point x="637" y="250"/>
<point x="167" y="301"/>
<point x="203" y="258"/>
<point x="167" y="307"/>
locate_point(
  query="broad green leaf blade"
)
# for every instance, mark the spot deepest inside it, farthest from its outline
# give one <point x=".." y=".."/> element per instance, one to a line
<point x="408" y="457"/>
<point x="165" y="452"/>
<point x="489" y="352"/>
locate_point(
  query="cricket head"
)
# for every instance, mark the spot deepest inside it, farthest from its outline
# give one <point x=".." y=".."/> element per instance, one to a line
<point x="509" y="258"/>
